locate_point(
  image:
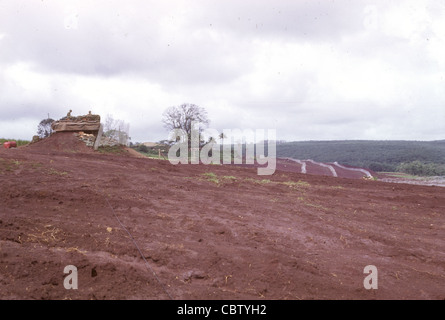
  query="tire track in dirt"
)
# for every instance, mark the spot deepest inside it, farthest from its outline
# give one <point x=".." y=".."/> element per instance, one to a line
<point x="319" y="168"/>
<point x="331" y="168"/>
<point x="366" y="172"/>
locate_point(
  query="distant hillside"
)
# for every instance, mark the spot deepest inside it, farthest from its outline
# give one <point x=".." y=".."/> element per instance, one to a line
<point x="374" y="155"/>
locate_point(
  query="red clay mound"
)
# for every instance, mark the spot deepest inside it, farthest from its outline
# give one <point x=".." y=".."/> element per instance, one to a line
<point x="318" y="169"/>
<point x="324" y="169"/>
<point x="349" y="172"/>
<point x="60" y="142"/>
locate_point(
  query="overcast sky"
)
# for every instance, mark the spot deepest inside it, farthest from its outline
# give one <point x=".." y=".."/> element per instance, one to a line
<point x="312" y="70"/>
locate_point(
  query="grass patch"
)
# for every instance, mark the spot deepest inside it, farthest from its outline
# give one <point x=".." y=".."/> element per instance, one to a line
<point x="263" y="181"/>
<point x="111" y="149"/>
<point x="151" y="155"/>
<point x="8" y="165"/>
<point x="36" y="165"/>
<point x="210" y="176"/>
<point x="296" y="184"/>
<point x="290" y="184"/>
<point x="53" y="171"/>
<point x="5" y="165"/>
<point x="229" y="178"/>
<point x="401" y="175"/>
<point x="310" y="204"/>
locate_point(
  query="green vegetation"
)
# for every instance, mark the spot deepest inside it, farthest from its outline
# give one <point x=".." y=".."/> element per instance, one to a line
<point x="53" y="171"/>
<point x="420" y="158"/>
<point x="143" y="148"/>
<point x="296" y="184"/>
<point x="158" y="151"/>
<point x="311" y="204"/>
<point x="400" y="175"/>
<point x="418" y="168"/>
<point x="8" y="165"/>
<point x="111" y="149"/>
<point x="229" y="177"/>
<point x="210" y="176"/>
<point x="19" y="142"/>
<point x="424" y="158"/>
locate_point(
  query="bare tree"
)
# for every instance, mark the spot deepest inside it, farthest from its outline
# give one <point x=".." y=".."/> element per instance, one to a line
<point x="117" y="130"/>
<point x="44" y="129"/>
<point x="181" y="117"/>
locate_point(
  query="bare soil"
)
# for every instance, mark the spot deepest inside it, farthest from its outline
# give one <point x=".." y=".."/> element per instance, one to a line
<point x="139" y="228"/>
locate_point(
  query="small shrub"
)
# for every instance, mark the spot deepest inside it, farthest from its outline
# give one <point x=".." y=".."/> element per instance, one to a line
<point x="143" y="148"/>
<point x="419" y="168"/>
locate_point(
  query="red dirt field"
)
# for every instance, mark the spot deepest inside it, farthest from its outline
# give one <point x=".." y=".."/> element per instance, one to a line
<point x="208" y="231"/>
<point x="316" y="168"/>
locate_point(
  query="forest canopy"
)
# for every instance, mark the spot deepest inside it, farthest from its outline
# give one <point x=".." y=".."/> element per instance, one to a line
<point x="415" y="157"/>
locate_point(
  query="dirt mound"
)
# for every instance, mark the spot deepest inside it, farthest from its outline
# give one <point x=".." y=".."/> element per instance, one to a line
<point x="60" y="142"/>
<point x="134" y="153"/>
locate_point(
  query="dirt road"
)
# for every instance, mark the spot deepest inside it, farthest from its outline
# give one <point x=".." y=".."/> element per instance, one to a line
<point x="139" y="228"/>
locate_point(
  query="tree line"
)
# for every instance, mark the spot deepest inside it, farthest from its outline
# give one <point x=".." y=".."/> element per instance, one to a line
<point x="414" y="157"/>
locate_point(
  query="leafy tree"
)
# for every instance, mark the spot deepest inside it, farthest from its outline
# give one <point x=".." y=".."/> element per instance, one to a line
<point x="44" y="129"/>
<point x="372" y="154"/>
<point x="419" y="168"/>
<point x="143" y="148"/>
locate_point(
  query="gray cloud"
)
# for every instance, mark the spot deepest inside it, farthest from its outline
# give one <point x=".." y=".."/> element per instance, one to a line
<point x="343" y="69"/>
<point x="310" y="20"/>
<point x="112" y="40"/>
